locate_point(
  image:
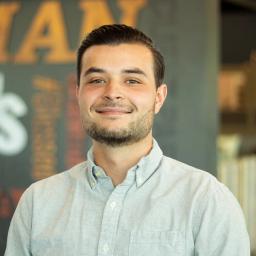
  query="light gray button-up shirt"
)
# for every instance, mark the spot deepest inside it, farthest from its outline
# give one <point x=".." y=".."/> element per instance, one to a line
<point x="162" y="208"/>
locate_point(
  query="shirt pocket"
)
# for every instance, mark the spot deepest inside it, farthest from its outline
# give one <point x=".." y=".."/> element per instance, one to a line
<point x="156" y="243"/>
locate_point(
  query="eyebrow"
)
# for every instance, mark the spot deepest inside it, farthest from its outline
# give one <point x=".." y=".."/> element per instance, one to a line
<point x="134" y="71"/>
<point x="124" y="71"/>
<point x="94" y="70"/>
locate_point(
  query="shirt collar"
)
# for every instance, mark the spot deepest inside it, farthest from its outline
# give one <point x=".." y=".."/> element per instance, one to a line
<point x="143" y="169"/>
<point x="92" y="178"/>
<point x="148" y="164"/>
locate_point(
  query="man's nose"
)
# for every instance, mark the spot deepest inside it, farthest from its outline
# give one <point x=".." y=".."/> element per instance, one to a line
<point x="113" y="90"/>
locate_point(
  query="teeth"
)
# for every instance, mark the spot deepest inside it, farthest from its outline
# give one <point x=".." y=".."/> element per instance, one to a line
<point x="121" y="111"/>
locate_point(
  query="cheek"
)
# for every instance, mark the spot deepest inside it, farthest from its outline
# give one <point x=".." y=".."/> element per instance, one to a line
<point x="86" y="99"/>
<point x="144" y="100"/>
<point x="84" y="106"/>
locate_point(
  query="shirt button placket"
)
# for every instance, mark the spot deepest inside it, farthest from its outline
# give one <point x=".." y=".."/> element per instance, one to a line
<point x="110" y="222"/>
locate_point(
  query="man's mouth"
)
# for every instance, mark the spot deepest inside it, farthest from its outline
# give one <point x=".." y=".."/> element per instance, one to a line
<point x="113" y="110"/>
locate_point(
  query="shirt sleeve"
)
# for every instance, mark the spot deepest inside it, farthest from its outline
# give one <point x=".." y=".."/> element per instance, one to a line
<point x="221" y="227"/>
<point x="18" y="241"/>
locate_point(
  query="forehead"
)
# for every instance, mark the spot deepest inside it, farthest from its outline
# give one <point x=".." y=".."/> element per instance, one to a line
<point x="118" y="57"/>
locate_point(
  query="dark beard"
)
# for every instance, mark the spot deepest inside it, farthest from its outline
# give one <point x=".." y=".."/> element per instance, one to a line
<point x="123" y="137"/>
<point x="110" y="138"/>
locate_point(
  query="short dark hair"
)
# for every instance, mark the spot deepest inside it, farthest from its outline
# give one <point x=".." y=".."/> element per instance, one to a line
<point x="116" y="34"/>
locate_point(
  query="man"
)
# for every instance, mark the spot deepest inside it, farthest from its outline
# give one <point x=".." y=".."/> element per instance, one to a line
<point x="127" y="198"/>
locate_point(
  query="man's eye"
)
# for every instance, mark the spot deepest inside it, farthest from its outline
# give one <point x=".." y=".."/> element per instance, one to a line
<point x="97" y="81"/>
<point x="132" y="81"/>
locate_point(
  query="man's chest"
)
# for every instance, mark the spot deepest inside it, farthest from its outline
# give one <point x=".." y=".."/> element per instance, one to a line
<point x="127" y="224"/>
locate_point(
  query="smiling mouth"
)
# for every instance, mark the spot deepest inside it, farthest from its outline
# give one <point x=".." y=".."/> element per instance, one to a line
<point x="113" y="111"/>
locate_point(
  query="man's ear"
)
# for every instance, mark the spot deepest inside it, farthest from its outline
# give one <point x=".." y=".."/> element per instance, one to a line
<point x="161" y="94"/>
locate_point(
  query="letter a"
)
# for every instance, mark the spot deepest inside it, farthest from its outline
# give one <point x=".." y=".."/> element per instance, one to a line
<point x="47" y="31"/>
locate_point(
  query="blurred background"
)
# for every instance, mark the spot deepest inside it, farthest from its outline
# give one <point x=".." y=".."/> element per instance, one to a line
<point x="236" y="143"/>
<point x="209" y="118"/>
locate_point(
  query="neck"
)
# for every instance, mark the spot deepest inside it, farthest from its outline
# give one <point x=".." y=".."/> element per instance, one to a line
<point x="116" y="161"/>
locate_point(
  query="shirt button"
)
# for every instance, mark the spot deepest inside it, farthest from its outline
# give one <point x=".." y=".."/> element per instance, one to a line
<point x="97" y="173"/>
<point x="113" y="205"/>
<point x="105" y="248"/>
<point x="139" y="181"/>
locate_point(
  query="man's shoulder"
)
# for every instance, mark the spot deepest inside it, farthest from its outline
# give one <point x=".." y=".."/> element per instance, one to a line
<point x="198" y="181"/>
<point x="60" y="180"/>
<point x="194" y="177"/>
<point x="47" y="196"/>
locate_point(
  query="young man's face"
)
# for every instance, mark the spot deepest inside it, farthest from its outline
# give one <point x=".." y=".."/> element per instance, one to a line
<point x="117" y="93"/>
